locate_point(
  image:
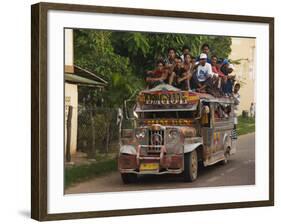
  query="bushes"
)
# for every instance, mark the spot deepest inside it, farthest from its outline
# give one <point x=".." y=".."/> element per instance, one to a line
<point x="245" y="125"/>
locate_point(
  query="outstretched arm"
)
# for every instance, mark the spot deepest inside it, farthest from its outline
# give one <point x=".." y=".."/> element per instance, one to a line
<point x="161" y="78"/>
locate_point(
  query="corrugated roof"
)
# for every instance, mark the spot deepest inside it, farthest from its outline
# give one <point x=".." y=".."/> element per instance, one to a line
<point x="88" y="74"/>
<point x="72" y="78"/>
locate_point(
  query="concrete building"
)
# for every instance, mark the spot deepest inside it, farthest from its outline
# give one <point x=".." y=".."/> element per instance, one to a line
<point x="243" y="50"/>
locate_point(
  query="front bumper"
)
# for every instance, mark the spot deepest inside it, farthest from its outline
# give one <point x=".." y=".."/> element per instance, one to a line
<point x="167" y="163"/>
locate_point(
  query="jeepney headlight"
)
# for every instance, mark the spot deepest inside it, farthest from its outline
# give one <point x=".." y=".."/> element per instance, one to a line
<point x="173" y="136"/>
<point x="140" y="133"/>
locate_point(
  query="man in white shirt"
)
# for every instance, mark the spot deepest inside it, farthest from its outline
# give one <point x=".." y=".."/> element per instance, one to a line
<point x="202" y="76"/>
<point x="236" y="97"/>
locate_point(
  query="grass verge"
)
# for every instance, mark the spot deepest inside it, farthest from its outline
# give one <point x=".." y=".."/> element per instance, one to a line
<point x="87" y="171"/>
<point x="245" y="125"/>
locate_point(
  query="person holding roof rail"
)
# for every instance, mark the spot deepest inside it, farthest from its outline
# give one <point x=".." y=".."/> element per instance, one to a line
<point x="218" y="76"/>
<point x="227" y="69"/>
<point x="157" y="76"/>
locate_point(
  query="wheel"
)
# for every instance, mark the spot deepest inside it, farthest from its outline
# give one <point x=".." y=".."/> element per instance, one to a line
<point x="226" y="157"/>
<point x="129" y="178"/>
<point x="190" y="166"/>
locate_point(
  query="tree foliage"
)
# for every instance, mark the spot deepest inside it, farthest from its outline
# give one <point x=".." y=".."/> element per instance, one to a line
<point x="93" y="50"/>
<point x="122" y="58"/>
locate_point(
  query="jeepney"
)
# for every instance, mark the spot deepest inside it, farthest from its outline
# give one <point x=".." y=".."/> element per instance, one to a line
<point x="174" y="131"/>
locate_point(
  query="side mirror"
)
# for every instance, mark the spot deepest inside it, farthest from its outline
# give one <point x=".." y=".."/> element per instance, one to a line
<point x="129" y="108"/>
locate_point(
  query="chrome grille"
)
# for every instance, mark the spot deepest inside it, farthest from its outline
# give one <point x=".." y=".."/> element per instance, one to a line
<point x="155" y="139"/>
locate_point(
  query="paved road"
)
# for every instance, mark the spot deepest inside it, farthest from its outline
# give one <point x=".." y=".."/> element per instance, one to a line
<point x="239" y="171"/>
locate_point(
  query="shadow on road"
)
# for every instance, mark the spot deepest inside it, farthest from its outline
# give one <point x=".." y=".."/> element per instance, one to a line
<point x="169" y="178"/>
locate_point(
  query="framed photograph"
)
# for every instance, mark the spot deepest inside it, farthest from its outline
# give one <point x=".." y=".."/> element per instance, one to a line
<point x="139" y="111"/>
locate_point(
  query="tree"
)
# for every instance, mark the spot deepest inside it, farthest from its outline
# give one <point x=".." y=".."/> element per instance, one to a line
<point x="93" y="50"/>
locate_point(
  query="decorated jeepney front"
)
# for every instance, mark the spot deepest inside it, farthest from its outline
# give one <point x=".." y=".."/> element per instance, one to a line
<point x="165" y="125"/>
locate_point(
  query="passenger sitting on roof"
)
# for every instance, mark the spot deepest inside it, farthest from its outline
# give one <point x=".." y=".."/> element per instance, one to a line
<point x="217" y="74"/>
<point x="193" y="60"/>
<point x="203" y="74"/>
<point x="179" y="76"/>
<point x="188" y="67"/>
<point x="227" y="69"/>
<point x="170" y="62"/>
<point x="205" y="49"/>
<point x="185" y="50"/>
<point x="157" y="76"/>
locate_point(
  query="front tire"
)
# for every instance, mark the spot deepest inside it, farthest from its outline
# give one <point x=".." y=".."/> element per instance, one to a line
<point x="190" y="166"/>
<point x="129" y="178"/>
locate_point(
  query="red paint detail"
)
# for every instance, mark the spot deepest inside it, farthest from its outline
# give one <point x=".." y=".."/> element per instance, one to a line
<point x="127" y="162"/>
<point x="173" y="162"/>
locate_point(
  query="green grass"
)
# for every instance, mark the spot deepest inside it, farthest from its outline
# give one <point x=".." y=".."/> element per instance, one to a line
<point x="245" y="125"/>
<point x="84" y="172"/>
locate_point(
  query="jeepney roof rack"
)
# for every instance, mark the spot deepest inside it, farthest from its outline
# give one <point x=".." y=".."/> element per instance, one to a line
<point x="202" y="96"/>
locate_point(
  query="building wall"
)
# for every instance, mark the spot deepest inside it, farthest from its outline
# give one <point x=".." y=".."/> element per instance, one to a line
<point x="244" y="49"/>
<point x="68" y="51"/>
<point x="71" y="99"/>
<point x="71" y="91"/>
